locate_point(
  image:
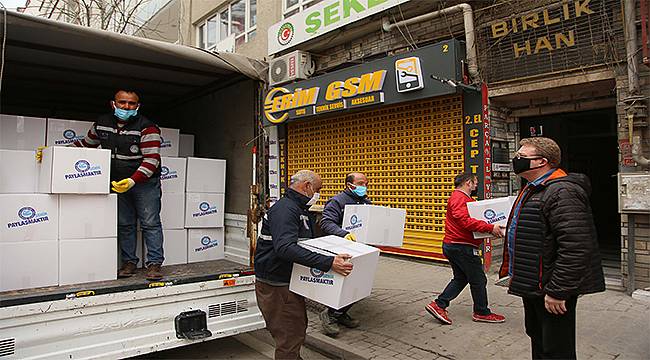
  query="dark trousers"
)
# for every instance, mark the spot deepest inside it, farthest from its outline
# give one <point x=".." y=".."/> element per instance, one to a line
<point x="551" y="336"/>
<point x="286" y="318"/>
<point x="340" y="312"/>
<point x="468" y="269"/>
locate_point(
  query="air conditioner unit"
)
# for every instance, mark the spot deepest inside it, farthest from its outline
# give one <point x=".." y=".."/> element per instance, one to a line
<point x="293" y="66"/>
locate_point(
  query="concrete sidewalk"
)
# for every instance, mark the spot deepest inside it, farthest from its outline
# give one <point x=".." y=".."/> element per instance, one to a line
<point x="394" y="324"/>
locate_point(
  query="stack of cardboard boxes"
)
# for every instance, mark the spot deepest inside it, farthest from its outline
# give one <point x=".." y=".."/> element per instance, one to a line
<point x="59" y="221"/>
<point x="205" y="208"/>
<point x="58" y="216"/>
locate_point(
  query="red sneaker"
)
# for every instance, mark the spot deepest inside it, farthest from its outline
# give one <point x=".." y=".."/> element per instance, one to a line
<point x="491" y="318"/>
<point x="438" y="313"/>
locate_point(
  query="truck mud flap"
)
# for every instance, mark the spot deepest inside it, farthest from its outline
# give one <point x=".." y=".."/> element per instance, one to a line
<point x="192" y="325"/>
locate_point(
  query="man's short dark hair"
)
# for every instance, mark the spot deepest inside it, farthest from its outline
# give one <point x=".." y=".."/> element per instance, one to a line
<point x="128" y="91"/>
<point x="462" y="178"/>
<point x="349" y="179"/>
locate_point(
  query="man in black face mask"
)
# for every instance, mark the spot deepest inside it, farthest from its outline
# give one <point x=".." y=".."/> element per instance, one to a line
<point x="551" y="250"/>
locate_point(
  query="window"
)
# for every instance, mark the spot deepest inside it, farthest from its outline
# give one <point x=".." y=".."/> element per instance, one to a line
<point x="292" y="7"/>
<point x="238" y="19"/>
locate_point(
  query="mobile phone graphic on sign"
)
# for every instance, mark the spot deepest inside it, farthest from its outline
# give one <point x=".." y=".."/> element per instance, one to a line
<point x="408" y="74"/>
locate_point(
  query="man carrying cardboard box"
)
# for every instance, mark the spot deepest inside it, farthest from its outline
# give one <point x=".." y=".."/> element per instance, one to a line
<point x="134" y="142"/>
<point x="551" y="249"/>
<point x="462" y="251"/>
<point x="286" y="223"/>
<point x="356" y="186"/>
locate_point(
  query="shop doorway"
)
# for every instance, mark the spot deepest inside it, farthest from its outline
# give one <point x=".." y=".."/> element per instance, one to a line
<point x="588" y="141"/>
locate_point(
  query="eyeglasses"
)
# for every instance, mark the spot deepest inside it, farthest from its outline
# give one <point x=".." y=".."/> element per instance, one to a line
<point x="530" y="157"/>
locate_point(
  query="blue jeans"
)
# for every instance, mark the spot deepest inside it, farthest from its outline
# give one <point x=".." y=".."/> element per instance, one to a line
<point x="468" y="269"/>
<point x="141" y="203"/>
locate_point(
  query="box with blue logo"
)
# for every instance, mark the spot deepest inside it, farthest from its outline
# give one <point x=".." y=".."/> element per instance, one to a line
<point x="62" y="132"/>
<point x="29" y="217"/>
<point x="492" y="211"/>
<point x="169" y="142"/>
<point x="375" y="225"/>
<point x="205" y="245"/>
<point x="72" y="170"/>
<point x="204" y="210"/>
<point x="172" y="175"/>
<point x="330" y="288"/>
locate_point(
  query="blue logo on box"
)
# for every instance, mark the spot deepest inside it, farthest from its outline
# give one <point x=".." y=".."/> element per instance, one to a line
<point x="27" y="216"/>
<point x="166" y="173"/>
<point x="318" y="277"/>
<point x="165" y="143"/>
<point x="84" y="169"/>
<point x="207" y="244"/>
<point x="492" y="216"/>
<point x="205" y="209"/>
<point x="355" y="223"/>
<point x="69" y="134"/>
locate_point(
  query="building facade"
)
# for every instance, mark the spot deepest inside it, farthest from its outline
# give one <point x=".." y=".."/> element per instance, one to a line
<point x="570" y="70"/>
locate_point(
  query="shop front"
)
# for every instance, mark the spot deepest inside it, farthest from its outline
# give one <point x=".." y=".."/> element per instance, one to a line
<point x="407" y="121"/>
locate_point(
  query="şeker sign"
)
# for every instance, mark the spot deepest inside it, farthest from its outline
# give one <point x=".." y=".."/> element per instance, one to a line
<point x="390" y="80"/>
<point x="320" y="19"/>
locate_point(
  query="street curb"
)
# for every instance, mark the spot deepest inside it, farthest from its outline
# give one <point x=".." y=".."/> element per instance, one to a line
<point x="332" y="348"/>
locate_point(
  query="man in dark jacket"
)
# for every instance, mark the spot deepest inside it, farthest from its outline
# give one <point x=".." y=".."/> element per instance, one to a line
<point x="286" y="223"/>
<point x="551" y="250"/>
<point x="356" y="186"/>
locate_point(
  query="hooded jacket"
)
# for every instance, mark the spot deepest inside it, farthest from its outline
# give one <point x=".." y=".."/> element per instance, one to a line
<point x="555" y="241"/>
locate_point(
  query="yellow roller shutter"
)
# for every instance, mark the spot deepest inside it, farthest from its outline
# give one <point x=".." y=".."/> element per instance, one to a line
<point x="410" y="153"/>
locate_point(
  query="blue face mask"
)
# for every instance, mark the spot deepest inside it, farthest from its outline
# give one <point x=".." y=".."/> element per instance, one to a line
<point x="124" y="114"/>
<point x="360" y="190"/>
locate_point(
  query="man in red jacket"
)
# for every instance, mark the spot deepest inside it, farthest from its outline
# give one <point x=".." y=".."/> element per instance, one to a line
<point x="462" y="251"/>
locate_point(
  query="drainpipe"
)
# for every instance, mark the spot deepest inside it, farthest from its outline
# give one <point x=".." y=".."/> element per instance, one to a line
<point x="468" y="17"/>
<point x="634" y="101"/>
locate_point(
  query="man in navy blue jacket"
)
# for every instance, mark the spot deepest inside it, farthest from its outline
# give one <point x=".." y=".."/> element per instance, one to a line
<point x="286" y="223"/>
<point x="356" y="185"/>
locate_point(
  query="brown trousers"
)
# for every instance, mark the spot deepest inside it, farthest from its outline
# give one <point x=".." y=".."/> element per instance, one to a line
<point x="286" y="318"/>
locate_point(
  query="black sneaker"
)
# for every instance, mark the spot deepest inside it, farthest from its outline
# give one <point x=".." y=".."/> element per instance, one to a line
<point x="348" y="321"/>
<point x="330" y="326"/>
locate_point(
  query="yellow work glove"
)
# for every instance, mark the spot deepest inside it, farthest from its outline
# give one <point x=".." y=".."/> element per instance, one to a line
<point x="39" y="153"/>
<point x="122" y="185"/>
<point x="351" y="237"/>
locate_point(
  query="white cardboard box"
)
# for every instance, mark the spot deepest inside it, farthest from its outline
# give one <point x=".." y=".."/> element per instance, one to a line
<point x="186" y="145"/>
<point x="330" y="288"/>
<point x="64" y="132"/>
<point x="169" y="142"/>
<point x="206" y="175"/>
<point x="376" y="225"/>
<point x="87" y="260"/>
<point x="18" y="172"/>
<point x="205" y="245"/>
<point x="87" y="216"/>
<point x="172" y="175"/>
<point x="174" y="247"/>
<point x="204" y="210"/>
<point x="30" y="217"/>
<point x="21" y="132"/>
<point x="492" y="211"/>
<point x="172" y="211"/>
<point x="71" y="170"/>
<point x="28" y="264"/>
